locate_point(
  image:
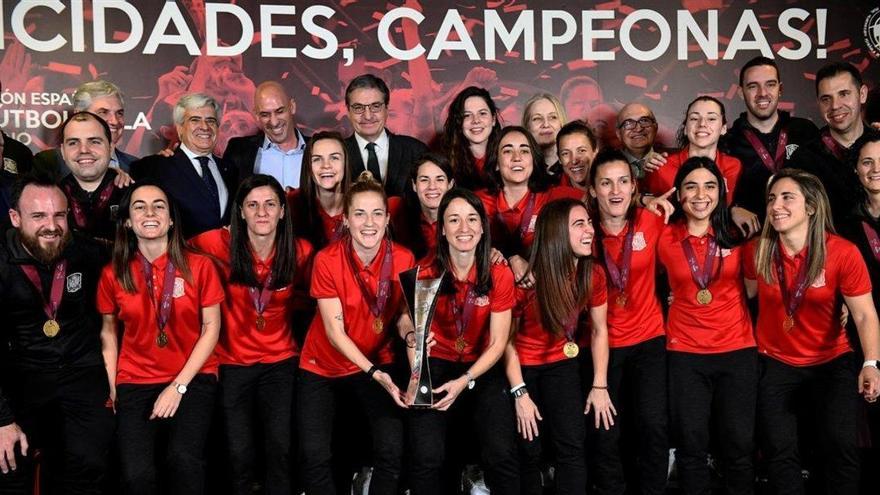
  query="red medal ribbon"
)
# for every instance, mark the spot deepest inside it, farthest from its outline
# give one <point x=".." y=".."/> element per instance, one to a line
<point x="619" y="275"/>
<point x="774" y="163"/>
<point x="703" y="276"/>
<point x="873" y="239"/>
<point x="55" y="293"/>
<point x="163" y="309"/>
<point x="833" y="146"/>
<point x="83" y="220"/>
<point x="570" y="326"/>
<point x="261" y="298"/>
<point x="526" y="216"/>
<point x="791" y="296"/>
<point x="377" y="302"/>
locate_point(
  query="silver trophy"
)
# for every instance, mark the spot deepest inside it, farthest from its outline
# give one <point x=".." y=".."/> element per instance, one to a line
<point x="421" y="298"/>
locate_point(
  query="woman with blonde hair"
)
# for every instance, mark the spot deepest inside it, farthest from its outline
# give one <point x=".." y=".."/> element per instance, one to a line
<point x="544" y="116"/>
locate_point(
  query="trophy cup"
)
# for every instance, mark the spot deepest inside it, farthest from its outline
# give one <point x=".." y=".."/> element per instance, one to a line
<point x="421" y="298"/>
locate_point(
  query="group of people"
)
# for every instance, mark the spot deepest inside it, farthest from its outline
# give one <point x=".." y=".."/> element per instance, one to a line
<point x="596" y="306"/>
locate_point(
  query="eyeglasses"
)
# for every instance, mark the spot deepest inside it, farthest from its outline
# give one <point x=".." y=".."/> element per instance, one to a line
<point x="630" y="124"/>
<point x="374" y="107"/>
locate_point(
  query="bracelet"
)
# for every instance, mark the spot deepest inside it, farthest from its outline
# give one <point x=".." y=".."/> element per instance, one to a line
<point x="372" y="371"/>
<point x="517" y="387"/>
<point x="406" y="339"/>
<point x="600" y="388"/>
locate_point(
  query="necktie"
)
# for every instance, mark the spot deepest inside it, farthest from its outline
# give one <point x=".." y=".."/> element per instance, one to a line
<point x="207" y="176"/>
<point x="373" y="162"/>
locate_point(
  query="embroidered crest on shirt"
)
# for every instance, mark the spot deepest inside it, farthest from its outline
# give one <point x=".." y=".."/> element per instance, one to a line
<point x="789" y="150"/>
<point x="74" y="282"/>
<point x="820" y="280"/>
<point x="639" y="242"/>
<point x="10" y="165"/>
<point x="178" y="288"/>
<point x="725" y="252"/>
<point x="532" y="223"/>
<point x="481" y="301"/>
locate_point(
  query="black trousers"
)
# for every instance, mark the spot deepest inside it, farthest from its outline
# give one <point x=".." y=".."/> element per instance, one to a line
<point x="556" y="390"/>
<point x="66" y="415"/>
<point x="318" y="403"/>
<point x="714" y="395"/>
<point x="187" y="432"/>
<point x="488" y="408"/>
<point x="257" y="403"/>
<point x="636" y="379"/>
<point x="833" y="397"/>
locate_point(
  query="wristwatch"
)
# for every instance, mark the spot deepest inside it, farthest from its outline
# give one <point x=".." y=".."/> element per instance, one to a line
<point x="520" y="392"/>
<point x="871" y="362"/>
<point x="470" y="378"/>
<point x="181" y="388"/>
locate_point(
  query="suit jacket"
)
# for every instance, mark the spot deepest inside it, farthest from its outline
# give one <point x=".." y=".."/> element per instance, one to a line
<point x="402" y="153"/>
<point x="195" y="203"/>
<point x="52" y="162"/>
<point x="241" y="153"/>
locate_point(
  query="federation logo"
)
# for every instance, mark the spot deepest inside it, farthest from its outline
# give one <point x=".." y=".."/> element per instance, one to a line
<point x="871" y="32"/>
<point x="74" y="282"/>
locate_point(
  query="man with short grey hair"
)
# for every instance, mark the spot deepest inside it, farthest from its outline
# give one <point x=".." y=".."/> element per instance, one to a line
<point x="198" y="182"/>
<point x="105" y="100"/>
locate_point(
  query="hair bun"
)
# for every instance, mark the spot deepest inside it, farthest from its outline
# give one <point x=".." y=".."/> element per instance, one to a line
<point x="366" y="177"/>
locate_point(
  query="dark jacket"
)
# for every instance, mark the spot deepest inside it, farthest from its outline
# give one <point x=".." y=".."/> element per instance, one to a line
<point x="402" y="153"/>
<point x="241" y="153"/>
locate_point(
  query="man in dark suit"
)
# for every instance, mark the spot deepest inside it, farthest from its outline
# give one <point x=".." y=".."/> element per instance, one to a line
<point x="105" y="100"/>
<point x="388" y="156"/>
<point x="278" y="148"/>
<point x="198" y="182"/>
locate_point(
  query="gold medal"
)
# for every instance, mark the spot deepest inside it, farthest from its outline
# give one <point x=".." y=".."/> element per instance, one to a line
<point x="621" y="300"/>
<point x="570" y="349"/>
<point x="788" y="323"/>
<point x="704" y="297"/>
<point x="460" y="344"/>
<point x="377" y="325"/>
<point x="51" y="328"/>
<point x="261" y="322"/>
<point x="162" y="339"/>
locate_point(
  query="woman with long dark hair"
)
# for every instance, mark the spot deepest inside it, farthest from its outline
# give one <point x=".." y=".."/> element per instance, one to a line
<point x="324" y="181"/>
<point x="163" y="376"/>
<point x="264" y="271"/>
<point x="469" y="134"/>
<point x="626" y="244"/>
<point x="471" y="327"/>
<point x="800" y="270"/>
<point x="712" y="361"/>
<point x="540" y="360"/>
<point x="415" y="226"/>
<point x="348" y="345"/>
<point x="518" y="189"/>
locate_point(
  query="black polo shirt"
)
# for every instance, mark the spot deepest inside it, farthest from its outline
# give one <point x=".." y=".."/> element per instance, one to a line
<point x="750" y="190"/>
<point x="100" y="223"/>
<point x="78" y="343"/>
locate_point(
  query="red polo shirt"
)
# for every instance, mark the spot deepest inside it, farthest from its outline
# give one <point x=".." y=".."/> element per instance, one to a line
<point x="724" y="324"/>
<point x="535" y="345"/>
<point x="476" y="335"/>
<point x="505" y="219"/>
<point x="331" y="224"/>
<point x="660" y="181"/>
<point x="641" y="319"/>
<point x="241" y="343"/>
<point x="817" y="336"/>
<point x="141" y="360"/>
<point x="334" y="277"/>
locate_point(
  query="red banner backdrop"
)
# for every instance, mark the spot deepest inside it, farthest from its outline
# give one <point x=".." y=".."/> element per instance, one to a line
<point x="595" y="56"/>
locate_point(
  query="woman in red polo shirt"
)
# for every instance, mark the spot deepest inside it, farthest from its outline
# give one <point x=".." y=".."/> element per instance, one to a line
<point x="264" y="271"/>
<point x="800" y="270"/>
<point x="471" y="326"/>
<point x="705" y="121"/>
<point x="163" y="376"/>
<point x="431" y="177"/>
<point x="347" y="352"/>
<point x="517" y="191"/>
<point x="713" y="374"/>
<point x="317" y="205"/>
<point x="540" y="360"/>
<point x="626" y="245"/>
<point x="469" y="133"/>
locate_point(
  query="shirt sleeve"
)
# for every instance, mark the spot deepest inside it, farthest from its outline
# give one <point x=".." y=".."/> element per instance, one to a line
<point x="324" y="278"/>
<point x="106" y="297"/>
<point x="503" y="295"/>
<point x="748" y="261"/>
<point x="598" y="287"/>
<point x="853" y="272"/>
<point x="210" y="288"/>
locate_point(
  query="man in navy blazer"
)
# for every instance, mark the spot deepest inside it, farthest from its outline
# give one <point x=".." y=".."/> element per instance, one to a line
<point x="372" y="147"/>
<point x="278" y="148"/>
<point x="105" y="100"/>
<point x="196" y="179"/>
